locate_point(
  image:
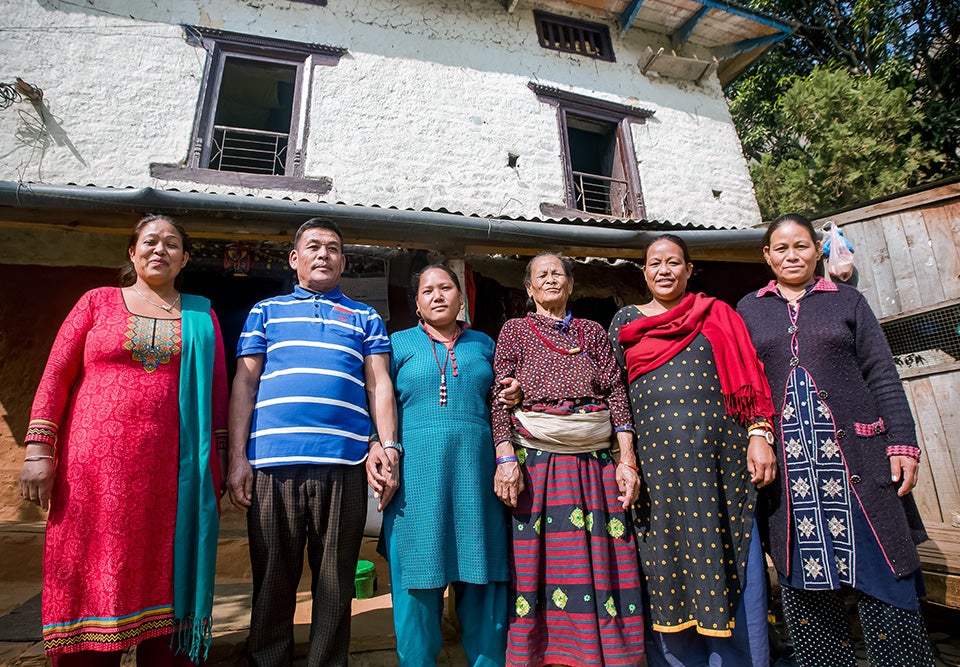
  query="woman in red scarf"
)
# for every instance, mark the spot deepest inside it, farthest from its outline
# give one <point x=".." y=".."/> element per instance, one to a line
<point x="696" y="391"/>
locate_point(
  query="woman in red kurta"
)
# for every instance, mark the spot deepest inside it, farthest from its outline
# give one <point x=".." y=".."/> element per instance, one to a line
<point x="133" y="395"/>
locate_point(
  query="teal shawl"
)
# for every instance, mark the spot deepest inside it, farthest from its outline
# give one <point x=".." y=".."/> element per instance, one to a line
<point x="198" y="518"/>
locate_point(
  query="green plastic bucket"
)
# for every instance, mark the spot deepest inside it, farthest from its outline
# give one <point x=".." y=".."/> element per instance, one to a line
<point x="364" y="582"/>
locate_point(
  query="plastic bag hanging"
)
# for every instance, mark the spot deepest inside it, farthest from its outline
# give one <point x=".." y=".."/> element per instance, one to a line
<point x="839" y="253"/>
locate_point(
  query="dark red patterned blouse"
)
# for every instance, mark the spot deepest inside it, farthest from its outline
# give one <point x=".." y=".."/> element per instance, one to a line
<point x="535" y="350"/>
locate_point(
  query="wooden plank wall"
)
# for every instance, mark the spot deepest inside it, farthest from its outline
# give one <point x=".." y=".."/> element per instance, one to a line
<point x="907" y="253"/>
<point x="935" y="400"/>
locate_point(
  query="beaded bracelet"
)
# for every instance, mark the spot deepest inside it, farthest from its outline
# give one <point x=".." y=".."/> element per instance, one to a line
<point x="509" y="458"/>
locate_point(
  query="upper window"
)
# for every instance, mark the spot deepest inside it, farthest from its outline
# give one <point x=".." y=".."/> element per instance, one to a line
<point x="253" y="116"/>
<point x="562" y="33"/>
<point x="600" y="165"/>
<point x="253" y="108"/>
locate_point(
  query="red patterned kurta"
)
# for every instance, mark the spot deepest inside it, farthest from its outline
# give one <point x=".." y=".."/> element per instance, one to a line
<point x="110" y="388"/>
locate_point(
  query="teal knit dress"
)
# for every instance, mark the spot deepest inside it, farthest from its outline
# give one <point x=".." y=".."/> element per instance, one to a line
<point x="447" y="522"/>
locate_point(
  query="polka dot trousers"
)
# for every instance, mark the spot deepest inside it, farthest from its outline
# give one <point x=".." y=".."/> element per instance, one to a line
<point x="820" y="630"/>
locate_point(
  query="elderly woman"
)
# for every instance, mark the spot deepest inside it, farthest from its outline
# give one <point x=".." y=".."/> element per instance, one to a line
<point x="122" y="447"/>
<point x="702" y="408"/>
<point x="843" y="516"/>
<point x="444" y="526"/>
<point x="576" y="597"/>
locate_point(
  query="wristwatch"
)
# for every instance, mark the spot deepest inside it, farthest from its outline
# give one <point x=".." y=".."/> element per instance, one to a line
<point x="767" y="435"/>
<point x="393" y="444"/>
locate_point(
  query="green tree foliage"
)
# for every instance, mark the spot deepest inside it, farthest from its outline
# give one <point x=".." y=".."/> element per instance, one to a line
<point x="841" y="139"/>
<point x="908" y="45"/>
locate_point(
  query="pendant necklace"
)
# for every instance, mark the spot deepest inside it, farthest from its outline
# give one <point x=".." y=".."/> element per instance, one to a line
<point x="448" y="355"/>
<point x="161" y="306"/>
<point x="576" y="349"/>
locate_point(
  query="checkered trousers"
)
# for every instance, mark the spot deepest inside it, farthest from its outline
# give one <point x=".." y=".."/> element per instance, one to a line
<point x="324" y="508"/>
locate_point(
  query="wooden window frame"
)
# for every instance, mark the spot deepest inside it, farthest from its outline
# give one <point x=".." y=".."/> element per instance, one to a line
<point x="603" y="44"/>
<point x="623" y="116"/>
<point x="220" y="45"/>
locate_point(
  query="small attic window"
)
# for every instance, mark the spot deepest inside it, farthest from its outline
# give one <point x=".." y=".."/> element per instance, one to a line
<point x="569" y="35"/>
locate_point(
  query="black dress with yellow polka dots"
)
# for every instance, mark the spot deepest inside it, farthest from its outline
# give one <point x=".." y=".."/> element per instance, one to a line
<point x="695" y="512"/>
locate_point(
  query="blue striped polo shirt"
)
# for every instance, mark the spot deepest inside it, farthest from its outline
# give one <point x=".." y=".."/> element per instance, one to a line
<point x="311" y="404"/>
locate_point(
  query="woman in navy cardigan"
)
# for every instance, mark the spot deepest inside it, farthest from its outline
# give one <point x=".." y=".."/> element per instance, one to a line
<point x="842" y="514"/>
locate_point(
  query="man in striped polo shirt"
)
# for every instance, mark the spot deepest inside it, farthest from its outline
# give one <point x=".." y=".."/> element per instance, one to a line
<point x="309" y="365"/>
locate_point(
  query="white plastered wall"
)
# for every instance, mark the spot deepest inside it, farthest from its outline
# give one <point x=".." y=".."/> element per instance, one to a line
<point x="421" y="112"/>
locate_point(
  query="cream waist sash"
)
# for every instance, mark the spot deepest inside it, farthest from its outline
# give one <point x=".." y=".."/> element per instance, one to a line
<point x="577" y="433"/>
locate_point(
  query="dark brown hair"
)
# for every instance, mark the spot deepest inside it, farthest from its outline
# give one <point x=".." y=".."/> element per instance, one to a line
<point x="674" y="239"/>
<point x="415" y="280"/>
<point x="790" y="218"/>
<point x="319" y="223"/>
<point x="128" y="274"/>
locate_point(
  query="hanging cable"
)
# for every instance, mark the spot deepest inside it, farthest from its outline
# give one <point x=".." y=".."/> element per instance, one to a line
<point x="19" y="91"/>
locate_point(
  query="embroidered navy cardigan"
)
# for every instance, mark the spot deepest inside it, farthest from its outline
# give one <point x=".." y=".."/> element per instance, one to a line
<point x="843" y="348"/>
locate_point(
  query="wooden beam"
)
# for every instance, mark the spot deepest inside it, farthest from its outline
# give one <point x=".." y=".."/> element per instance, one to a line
<point x="894" y="205"/>
<point x="203" y="229"/>
<point x="745" y="12"/>
<point x="648" y="58"/>
<point x="942" y="589"/>
<point x="725" y="51"/>
<point x="715" y="254"/>
<point x="942" y="552"/>
<point x="708" y="71"/>
<point x="107" y="222"/>
<point x="628" y="15"/>
<point x="682" y="34"/>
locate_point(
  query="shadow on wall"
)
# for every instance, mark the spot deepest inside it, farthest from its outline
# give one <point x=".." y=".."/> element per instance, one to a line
<point x="34" y="301"/>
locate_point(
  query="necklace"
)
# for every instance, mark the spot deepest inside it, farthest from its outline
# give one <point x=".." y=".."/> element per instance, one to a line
<point x="448" y="355"/>
<point x="795" y="297"/>
<point x="576" y="349"/>
<point x="161" y="306"/>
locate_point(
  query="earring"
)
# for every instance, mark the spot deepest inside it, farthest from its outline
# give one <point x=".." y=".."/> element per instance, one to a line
<point x="419" y="314"/>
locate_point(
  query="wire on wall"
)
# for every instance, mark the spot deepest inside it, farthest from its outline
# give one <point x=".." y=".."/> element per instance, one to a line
<point x="19" y="91"/>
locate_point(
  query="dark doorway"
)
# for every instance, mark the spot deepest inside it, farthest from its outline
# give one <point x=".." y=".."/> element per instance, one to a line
<point x="232" y="297"/>
<point x="593" y="163"/>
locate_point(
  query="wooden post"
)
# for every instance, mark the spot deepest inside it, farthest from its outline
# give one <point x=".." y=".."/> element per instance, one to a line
<point x="459" y="266"/>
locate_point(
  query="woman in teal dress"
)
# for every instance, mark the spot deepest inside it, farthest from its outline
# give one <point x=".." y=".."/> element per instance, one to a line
<point x="445" y="526"/>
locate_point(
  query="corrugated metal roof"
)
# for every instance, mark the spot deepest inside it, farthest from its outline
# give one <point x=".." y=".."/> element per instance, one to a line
<point x="585" y="220"/>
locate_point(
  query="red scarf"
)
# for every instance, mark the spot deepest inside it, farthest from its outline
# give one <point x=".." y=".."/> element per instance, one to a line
<point x="650" y="342"/>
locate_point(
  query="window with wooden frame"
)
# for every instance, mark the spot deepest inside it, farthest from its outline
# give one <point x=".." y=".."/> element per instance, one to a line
<point x="600" y="165"/>
<point x="570" y="35"/>
<point x="252" y="113"/>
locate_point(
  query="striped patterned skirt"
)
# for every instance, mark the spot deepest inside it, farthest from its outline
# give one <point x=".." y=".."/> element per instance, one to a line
<point x="575" y="576"/>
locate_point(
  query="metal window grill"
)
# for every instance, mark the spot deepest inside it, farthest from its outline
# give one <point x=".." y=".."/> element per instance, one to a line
<point x="928" y="339"/>
<point x="568" y="35"/>
<point x="600" y="194"/>
<point x="249" y="151"/>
